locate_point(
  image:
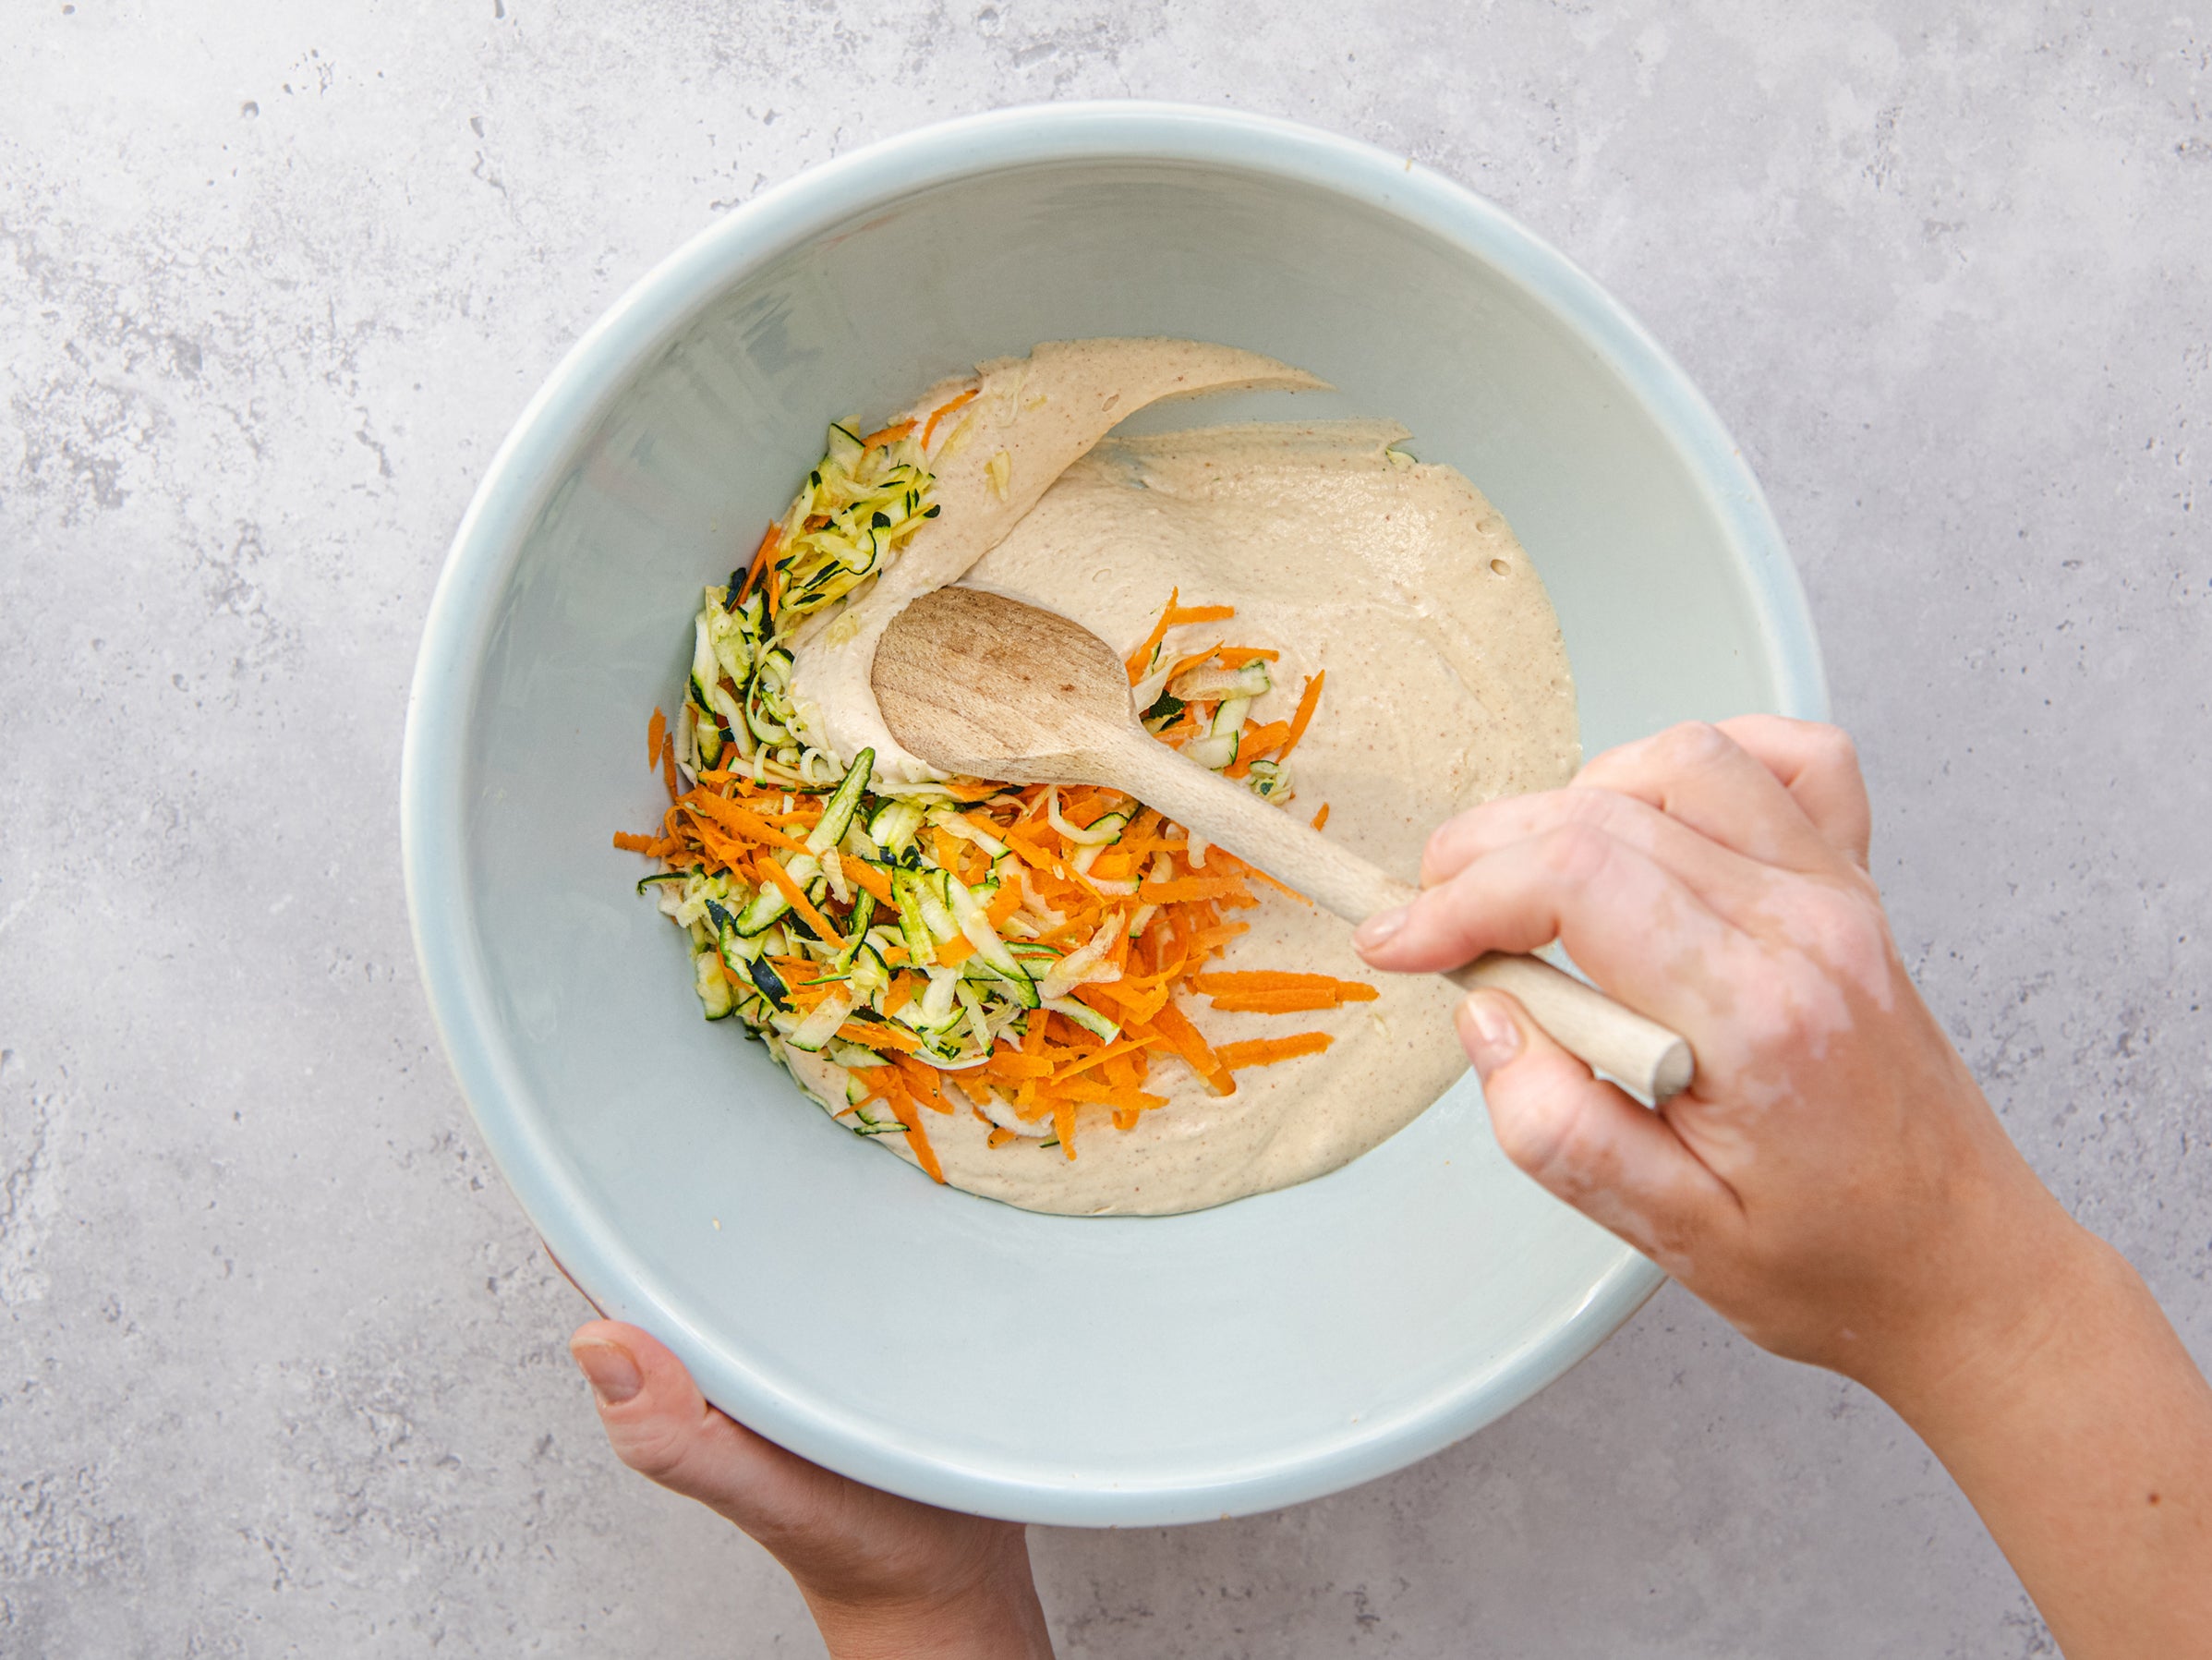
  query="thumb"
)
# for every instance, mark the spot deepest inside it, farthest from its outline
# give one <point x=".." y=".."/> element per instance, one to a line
<point x="1586" y="1142"/>
<point x="663" y="1427"/>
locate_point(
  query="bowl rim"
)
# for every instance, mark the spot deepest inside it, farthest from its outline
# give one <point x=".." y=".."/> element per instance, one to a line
<point x="560" y="418"/>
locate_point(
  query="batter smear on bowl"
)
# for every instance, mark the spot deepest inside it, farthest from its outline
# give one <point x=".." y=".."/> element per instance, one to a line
<point x="1051" y="996"/>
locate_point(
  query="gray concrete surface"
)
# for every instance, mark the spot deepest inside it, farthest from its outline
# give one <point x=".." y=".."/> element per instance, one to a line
<point x="281" y="1367"/>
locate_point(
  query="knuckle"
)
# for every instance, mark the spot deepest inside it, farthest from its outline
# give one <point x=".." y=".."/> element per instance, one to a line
<point x="1527" y="1126"/>
<point x="1597" y="806"/>
<point x="655" y="1448"/>
<point x="1575" y="852"/>
<point x="1442" y="849"/>
<point x="1835" y="743"/>
<point x="1839" y="929"/>
<point x="1551" y="1135"/>
<point x="1691" y="741"/>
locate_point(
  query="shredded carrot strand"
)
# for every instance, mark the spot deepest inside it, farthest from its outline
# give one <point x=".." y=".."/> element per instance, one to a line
<point x="1321" y="817"/>
<point x="890" y="434"/>
<point x="923" y="1082"/>
<point x="873" y="879"/>
<point x="656" y="730"/>
<point x="1266" y="1051"/>
<point x="1273" y="1003"/>
<point x="761" y="555"/>
<point x="942" y="410"/>
<point x="1308" y="700"/>
<point x="772" y="867"/>
<point x="668" y="768"/>
<point x="740" y="819"/>
<point x="633" y="843"/>
<point x="1137" y="659"/>
<point x="1254" y="746"/>
<point x="1182" y="888"/>
<point x="1192" y="662"/>
<point x="1171" y="1023"/>
<point x="878" y="1035"/>
<point x="917" y="1138"/>
<point x="1126" y="1045"/>
<point x="1276" y="980"/>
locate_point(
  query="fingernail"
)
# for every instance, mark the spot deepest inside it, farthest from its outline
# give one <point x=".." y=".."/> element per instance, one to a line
<point x="611" y="1370"/>
<point x="1492" y="1034"/>
<point x="1379" y="927"/>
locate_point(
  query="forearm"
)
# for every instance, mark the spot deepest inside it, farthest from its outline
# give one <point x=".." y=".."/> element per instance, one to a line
<point x="2087" y="1448"/>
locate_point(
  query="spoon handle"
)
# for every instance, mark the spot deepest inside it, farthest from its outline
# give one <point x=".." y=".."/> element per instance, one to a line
<point x="1639" y="1052"/>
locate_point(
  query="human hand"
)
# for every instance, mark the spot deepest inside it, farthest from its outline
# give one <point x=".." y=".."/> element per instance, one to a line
<point x="1833" y="1183"/>
<point x="883" y="1576"/>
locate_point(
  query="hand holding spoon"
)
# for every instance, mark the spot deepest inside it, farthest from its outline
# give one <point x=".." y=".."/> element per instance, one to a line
<point x="978" y="684"/>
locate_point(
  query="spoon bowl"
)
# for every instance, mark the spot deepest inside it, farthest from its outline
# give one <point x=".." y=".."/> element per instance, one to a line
<point x="976" y="683"/>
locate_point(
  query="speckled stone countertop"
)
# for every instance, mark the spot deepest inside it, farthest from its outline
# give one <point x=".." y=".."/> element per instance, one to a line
<point x="281" y="1367"/>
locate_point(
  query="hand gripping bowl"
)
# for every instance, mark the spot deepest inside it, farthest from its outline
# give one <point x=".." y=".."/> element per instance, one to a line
<point x="1087" y="1371"/>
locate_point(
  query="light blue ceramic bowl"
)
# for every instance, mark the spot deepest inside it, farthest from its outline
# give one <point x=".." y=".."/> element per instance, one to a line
<point x="1086" y="1372"/>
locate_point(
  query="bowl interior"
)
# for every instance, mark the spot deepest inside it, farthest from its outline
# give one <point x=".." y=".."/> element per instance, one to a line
<point x="943" y="1346"/>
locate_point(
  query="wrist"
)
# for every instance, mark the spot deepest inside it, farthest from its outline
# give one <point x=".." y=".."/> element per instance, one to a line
<point x="994" y="1616"/>
<point x="2019" y="1303"/>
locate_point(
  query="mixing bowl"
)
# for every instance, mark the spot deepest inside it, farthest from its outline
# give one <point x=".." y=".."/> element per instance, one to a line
<point x="1083" y="1371"/>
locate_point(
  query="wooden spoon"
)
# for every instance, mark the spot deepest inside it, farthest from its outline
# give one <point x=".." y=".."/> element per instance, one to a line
<point x="977" y="684"/>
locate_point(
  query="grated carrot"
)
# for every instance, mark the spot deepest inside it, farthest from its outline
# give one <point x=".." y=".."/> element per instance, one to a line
<point x="899" y="993"/>
<point x="727" y="813"/>
<point x="1238" y="657"/>
<point x="923" y="1082"/>
<point x="917" y="1138"/>
<point x="1127" y="1046"/>
<point x="761" y="555"/>
<point x="956" y="951"/>
<point x="1321" y="817"/>
<point x="631" y="844"/>
<point x="668" y="768"/>
<point x="1273" y="1003"/>
<point x="1266" y="1051"/>
<point x="873" y="879"/>
<point x="656" y="730"/>
<point x="942" y="410"/>
<point x="878" y="1035"/>
<point x="772" y="867"/>
<point x="1182" y="888"/>
<point x="1308" y="700"/>
<point x="890" y="434"/>
<point x="1137" y="660"/>
<point x="1174" y="1025"/>
<point x="1274" y="979"/>
<point x="1063" y="1126"/>
<point x="1254" y="745"/>
<point x="1192" y="662"/>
